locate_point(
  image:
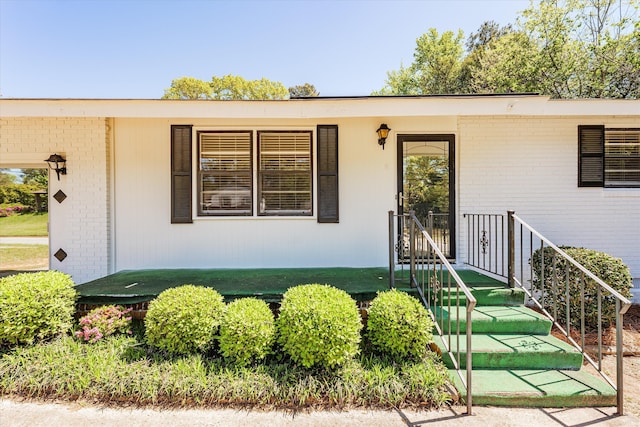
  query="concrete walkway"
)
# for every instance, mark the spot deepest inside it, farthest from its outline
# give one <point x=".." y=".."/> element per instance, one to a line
<point x="24" y="240"/>
<point x="13" y="414"/>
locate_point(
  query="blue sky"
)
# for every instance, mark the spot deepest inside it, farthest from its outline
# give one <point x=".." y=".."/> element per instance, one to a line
<point x="134" y="48"/>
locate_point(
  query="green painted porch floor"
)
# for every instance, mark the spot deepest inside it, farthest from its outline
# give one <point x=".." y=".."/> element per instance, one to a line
<point x="134" y="286"/>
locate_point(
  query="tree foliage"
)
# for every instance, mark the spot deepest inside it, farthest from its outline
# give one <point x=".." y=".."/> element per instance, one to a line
<point x="560" y="48"/>
<point x="188" y="88"/>
<point x="436" y="67"/>
<point x="7" y="178"/>
<point x="228" y="87"/>
<point x="36" y="177"/>
<point x="301" y="91"/>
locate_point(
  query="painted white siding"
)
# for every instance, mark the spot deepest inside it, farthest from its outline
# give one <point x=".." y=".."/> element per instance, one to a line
<point x="530" y="165"/>
<point x="515" y="153"/>
<point x="80" y="224"/>
<point x="145" y="238"/>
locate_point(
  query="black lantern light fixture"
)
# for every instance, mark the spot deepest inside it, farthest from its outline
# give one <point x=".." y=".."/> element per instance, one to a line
<point x="57" y="163"/>
<point x="383" y="133"/>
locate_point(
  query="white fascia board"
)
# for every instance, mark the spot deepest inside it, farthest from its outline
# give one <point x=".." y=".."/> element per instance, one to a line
<point x="508" y="105"/>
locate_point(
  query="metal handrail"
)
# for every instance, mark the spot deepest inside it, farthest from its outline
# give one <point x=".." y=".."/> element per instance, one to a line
<point x="426" y="270"/>
<point x="491" y="247"/>
<point x="622" y="305"/>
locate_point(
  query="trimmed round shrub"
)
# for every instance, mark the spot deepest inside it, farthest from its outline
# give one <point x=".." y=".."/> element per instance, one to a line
<point x="35" y="306"/>
<point x="399" y="325"/>
<point x="184" y="319"/>
<point x="247" y="331"/>
<point x="319" y="325"/>
<point x="608" y="268"/>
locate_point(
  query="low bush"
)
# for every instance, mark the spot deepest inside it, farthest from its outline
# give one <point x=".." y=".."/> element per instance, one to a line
<point x="399" y="325"/>
<point x="319" y="325"/>
<point x="184" y="319"/>
<point x="104" y="321"/>
<point x="553" y="288"/>
<point x="35" y="306"/>
<point x="247" y="331"/>
<point x="19" y="194"/>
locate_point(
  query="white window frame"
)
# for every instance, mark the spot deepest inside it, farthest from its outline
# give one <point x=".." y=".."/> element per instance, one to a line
<point x="256" y="202"/>
<point x="618" y="138"/>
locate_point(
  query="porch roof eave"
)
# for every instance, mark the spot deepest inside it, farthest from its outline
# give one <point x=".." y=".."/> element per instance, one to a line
<point x="320" y="108"/>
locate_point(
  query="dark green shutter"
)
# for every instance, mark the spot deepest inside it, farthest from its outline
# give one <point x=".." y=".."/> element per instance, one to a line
<point x="181" y="174"/>
<point x="328" y="173"/>
<point x="591" y="156"/>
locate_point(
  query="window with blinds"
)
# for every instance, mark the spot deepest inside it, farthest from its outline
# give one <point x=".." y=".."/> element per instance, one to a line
<point x="608" y="157"/>
<point x="622" y="157"/>
<point x="284" y="173"/>
<point x="225" y="173"/>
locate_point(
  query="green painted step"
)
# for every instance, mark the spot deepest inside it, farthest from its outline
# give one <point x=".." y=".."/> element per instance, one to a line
<point x="514" y="352"/>
<point x="537" y="388"/>
<point x="495" y="320"/>
<point x="487" y="295"/>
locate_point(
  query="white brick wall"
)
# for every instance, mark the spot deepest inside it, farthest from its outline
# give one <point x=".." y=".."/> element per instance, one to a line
<point x="530" y="165"/>
<point x="80" y="224"/>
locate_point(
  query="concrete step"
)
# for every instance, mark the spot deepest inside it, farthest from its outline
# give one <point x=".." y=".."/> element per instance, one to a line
<point x="495" y="320"/>
<point x="486" y="295"/>
<point x="513" y="352"/>
<point x="537" y="388"/>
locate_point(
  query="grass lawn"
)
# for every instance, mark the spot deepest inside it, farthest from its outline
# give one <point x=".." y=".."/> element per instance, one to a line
<point x="24" y="257"/>
<point x="123" y="370"/>
<point x="29" y="224"/>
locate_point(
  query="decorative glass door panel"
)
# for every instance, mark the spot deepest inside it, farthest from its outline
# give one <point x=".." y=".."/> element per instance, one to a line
<point x="426" y="187"/>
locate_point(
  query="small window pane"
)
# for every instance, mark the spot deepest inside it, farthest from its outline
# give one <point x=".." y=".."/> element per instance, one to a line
<point x="622" y="158"/>
<point x="225" y="173"/>
<point x="285" y="184"/>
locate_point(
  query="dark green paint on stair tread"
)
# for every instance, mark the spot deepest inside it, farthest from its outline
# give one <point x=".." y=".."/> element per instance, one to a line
<point x="497" y="320"/>
<point x="515" y="352"/>
<point x="518" y="343"/>
<point x="486" y="295"/>
<point x="470" y="278"/>
<point x="537" y="388"/>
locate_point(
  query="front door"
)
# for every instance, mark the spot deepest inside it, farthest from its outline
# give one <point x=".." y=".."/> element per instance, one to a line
<point x="426" y="183"/>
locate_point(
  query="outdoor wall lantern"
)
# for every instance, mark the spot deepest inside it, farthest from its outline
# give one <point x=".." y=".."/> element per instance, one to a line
<point x="57" y="163"/>
<point x="383" y="133"/>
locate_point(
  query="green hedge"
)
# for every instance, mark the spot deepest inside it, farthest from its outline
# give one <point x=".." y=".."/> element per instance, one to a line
<point x="248" y="331"/>
<point x="20" y="194"/>
<point x="184" y="319"/>
<point x="399" y="325"/>
<point x="608" y="268"/>
<point x="35" y="306"/>
<point x="319" y="325"/>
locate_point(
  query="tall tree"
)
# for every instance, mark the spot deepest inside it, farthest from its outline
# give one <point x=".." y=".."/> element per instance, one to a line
<point x="305" y="90"/>
<point x="7" y="178"/>
<point x="572" y="48"/>
<point x="227" y="87"/>
<point x="188" y="88"/>
<point x="235" y="87"/>
<point x="560" y="48"/>
<point x="36" y="177"/>
<point x="436" y="66"/>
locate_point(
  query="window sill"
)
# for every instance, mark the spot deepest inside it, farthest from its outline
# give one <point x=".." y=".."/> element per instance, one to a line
<point x="256" y="218"/>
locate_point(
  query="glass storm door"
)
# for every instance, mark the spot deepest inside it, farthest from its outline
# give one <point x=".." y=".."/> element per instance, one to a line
<point x="426" y="186"/>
